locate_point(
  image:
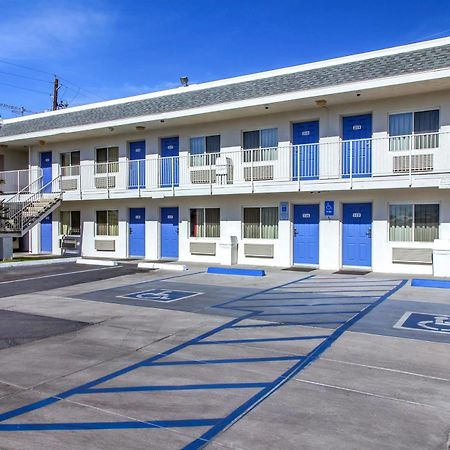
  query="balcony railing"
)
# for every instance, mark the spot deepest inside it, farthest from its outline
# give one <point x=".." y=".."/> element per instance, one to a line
<point x="14" y="181"/>
<point x="296" y="167"/>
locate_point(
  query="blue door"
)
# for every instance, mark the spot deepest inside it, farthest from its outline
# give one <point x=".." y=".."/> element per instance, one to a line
<point x="169" y="168"/>
<point x="357" y="146"/>
<point x="306" y="234"/>
<point x="305" y="137"/>
<point x="46" y="234"/>
<point x="137" y="232"/>
<point x="46" y="166"/>
<point x="136" y="177"/>
<point x="169" y="232"/>
<point x="357" y="235"/>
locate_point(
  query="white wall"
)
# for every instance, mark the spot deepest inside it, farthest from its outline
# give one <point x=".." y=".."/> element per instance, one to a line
<point x="231" y="130"/>
<point x="231" y="225"/>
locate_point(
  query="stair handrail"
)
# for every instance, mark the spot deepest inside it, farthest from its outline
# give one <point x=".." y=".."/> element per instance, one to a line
<point x="25" y="190"/>
<point x="35" y="196"/>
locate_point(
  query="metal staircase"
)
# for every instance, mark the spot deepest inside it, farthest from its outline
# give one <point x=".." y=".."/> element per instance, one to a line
<point x="27" y="208"/>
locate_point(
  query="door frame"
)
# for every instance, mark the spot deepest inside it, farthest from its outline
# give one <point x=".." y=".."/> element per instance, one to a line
<point x="316" y="265"/>
<point x="161" y="233"/>
<point x="341" y="240"/>
<point x="129" y="232"/>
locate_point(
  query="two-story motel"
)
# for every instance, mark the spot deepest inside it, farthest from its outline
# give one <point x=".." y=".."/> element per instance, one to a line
<point x="334" y="164"/>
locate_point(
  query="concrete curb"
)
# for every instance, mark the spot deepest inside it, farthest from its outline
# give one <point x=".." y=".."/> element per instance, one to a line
<point x="97" y="262"/>
<point x="163" y="266"/>
<point x="37" y="262"/>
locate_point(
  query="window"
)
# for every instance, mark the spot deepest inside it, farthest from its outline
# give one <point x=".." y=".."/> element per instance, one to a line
<point x="204" y="150"/>
<point x="261" y="223"/>
<point x="107" y="159"/>
<point x="414" y="223"/>
<point x="70" y="224"/>
<point x="70" y="163"/>
<point x="260" y="145"/>
<point x="107" y="223"/>
<point x="414" y="130"/>
<point x="205" y="222"/>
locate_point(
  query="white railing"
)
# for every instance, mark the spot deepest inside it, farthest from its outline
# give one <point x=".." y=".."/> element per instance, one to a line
<point x="13" y="181"/>
<point x="291" y="165"/>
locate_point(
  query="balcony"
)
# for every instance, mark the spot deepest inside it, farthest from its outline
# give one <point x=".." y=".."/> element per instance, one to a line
<point x="389" y="162"/>
<point x="14" y="181"/>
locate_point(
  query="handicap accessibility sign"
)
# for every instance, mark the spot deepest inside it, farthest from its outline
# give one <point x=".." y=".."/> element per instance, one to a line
<point x="160" y="295"/>
<point x="436" y="323"/>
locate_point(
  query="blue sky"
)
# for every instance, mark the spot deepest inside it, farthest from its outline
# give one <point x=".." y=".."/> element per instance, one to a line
<point x="116" y="48"/>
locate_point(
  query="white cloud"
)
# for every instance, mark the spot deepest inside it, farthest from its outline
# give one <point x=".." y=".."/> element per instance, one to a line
<point x="44" y="29"/>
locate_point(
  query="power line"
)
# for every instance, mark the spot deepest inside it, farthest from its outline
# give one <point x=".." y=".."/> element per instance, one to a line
<point x="24" y="88"/>
<point x="91" y="94"/>
<point x="25" y="76"/>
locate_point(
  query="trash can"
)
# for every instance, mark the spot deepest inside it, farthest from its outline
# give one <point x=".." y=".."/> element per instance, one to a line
<point x="228" y="251"/>
<point x="441" y="258"/>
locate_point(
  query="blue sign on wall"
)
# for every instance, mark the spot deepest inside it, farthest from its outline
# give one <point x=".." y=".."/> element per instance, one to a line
<point x="437" y="323"/>
<point x="284" y="211"/>
<point x="160" y="295"/>
<point x="329" y="208"/>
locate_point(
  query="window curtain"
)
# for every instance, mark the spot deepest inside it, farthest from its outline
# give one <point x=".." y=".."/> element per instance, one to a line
<point x="213" y="144"/>
<point x="75" y="223"/>
<point x="102" y="223"/>
<point x="269" y="223"/>
<point x="197" y="222"/>
<point x="197" y="145"/>
<point x="113" y="223"/>
<point x="400" y="130"/>
<point x="426" y="223"/>
<point x="251" y="139"/>
<point x="212" y="220"/>
<point x="197" y="148"/>
<point x="426" y="123"/>
<point x="65" y="222"/>
<point x="269" y="144"/>
<point x="401" y="223"/>
<point x="269" y="137"/>
<point x="113" y="159"/>
<point x="252" y="219"/>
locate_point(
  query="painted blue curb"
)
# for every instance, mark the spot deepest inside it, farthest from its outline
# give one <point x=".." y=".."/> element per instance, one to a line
<point x="422" y="282"/>
<point x="243" y="272"/>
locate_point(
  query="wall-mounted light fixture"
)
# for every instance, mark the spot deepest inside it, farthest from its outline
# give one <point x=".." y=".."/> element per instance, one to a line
<point x="321" y="103"/>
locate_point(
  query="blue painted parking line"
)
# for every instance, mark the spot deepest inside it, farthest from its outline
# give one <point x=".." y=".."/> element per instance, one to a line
<point x="285" y="324"/>
<point x="226" y="361"/>
<point x="215" y="425"/>
<point x="236" y="271"/>
<point x="244" y="341"/>
<point x="422" y="282"/>
<point x="435" y="323"/>
<point x="71" y="426"/>
<point x="160" y="295"/>
<point x="183" y="387"/>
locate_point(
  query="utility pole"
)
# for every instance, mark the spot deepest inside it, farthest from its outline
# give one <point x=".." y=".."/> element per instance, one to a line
<point x="55" y="94"/>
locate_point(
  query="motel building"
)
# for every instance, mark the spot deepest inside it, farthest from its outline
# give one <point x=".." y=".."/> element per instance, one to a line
<point x="336" y="164"/>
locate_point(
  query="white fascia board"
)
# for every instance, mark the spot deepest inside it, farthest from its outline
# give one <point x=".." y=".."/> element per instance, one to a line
<point x="243" y="78"/>
<point x="259" y="101"/>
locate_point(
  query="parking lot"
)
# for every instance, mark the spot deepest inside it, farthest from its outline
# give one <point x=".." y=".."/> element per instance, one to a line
<point x="122" y="358"/>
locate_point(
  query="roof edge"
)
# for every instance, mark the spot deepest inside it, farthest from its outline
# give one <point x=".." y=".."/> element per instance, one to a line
<point x="242" y="78"/>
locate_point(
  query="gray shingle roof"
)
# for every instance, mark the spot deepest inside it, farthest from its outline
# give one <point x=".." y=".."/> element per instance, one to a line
<point x="369" y="69"/>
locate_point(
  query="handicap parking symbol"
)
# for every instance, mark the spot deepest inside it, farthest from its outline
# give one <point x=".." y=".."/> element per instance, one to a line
<point x="160" y="295"/>
<point x="437" y="323"/>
